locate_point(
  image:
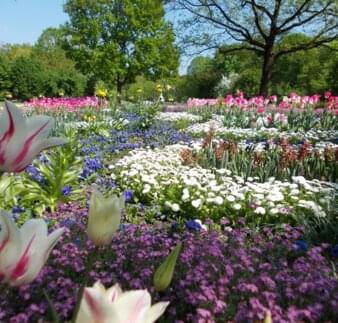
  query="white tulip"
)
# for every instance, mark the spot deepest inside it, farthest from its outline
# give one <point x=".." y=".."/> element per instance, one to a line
<point x="24" y="251"/>
<point x="100" y="305"/>
<point x="21" y="140"/>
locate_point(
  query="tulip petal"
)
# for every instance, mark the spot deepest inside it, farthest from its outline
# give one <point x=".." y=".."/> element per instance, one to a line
<point x="132" y="306"/>
<point x="10" y="119"/>
<point x="26" y="145"/>
<point x="114" y="292"/>
<point x="22" y="264"/>
<point x="35" y="123"/>
<point x="155" y="312"/>
<point x="34" y="233"/>
<point x="22" y="139"/>
<point x="35" y="149"/>
<point x="52" y="240"/>
<point x="95" y="307"/>
<point x="10" y="243"/>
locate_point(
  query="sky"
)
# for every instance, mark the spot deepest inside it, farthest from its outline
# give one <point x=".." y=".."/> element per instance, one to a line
<point x="22" y="21"/>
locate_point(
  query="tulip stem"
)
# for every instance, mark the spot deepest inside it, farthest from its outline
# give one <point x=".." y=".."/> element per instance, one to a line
<point x="89" y="264"/>
<point x="55" y="316"/>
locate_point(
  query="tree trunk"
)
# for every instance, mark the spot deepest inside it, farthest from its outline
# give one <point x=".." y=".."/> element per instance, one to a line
<point x="119" y="85"/>
<point x="268" y="62"/>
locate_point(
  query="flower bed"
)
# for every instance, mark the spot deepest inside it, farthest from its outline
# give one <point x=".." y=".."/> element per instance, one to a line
<point x="228" y="275"/>
<point x="236" y="226"/>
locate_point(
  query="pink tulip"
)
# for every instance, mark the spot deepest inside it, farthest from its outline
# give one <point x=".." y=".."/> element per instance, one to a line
<point x="99" y="305"/>
<point x="24" y="251"/>
<point x="21" y="140"/>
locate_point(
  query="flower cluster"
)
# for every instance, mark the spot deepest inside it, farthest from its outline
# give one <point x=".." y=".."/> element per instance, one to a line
<point x="293" y="100"/>
<point x="159" y="176"/>
<point x="70" y="104"/>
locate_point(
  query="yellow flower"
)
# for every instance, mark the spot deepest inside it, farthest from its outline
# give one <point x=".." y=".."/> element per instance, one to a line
<point x="101" y="93"/>
<point x="139" y="91"/>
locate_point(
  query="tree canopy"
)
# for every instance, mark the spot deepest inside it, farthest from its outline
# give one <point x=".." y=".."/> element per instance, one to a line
<point x="117" y="40"/>
<point x="258" y="26"/>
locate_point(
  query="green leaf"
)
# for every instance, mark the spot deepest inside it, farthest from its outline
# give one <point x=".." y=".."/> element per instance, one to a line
<point x="164" y="273"/>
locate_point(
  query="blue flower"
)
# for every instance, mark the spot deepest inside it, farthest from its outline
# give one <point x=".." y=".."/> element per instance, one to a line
<point x="35" y="174"/>
<point x="128" y="195"/>
<point x="66" y="190"/>
<point x="335" y="251"/>
<point x="301" y="245"/>
<point x="18" y="209"/>
<point x="193" y="225"/>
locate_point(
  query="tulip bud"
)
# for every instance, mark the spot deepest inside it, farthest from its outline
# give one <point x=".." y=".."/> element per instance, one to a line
<point x="268" y="318"/>
<point x="164" y="273"/>
<point x="104" y="217"/>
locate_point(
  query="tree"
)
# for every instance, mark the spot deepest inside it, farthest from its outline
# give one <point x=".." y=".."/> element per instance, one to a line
<point x="303" y="71"/>
<point x="202" y="78"/>
<point x="259" y="26"/>
<point x="5" y="82"/>
<point x="27" y="77"/>
<point x="117" y="40"/>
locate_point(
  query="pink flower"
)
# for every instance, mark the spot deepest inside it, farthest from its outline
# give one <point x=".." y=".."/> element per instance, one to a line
<point x="21" y="140"/>
<point x="327" y="94"/>
<point x="100" y="305"/>
<point x="273" y="98"/>
<point x="24" y="251"/>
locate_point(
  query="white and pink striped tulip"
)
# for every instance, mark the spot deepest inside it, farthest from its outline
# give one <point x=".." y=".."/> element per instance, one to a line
<point x="22" y="139"/>
<point x="24" y="251"/>
<point x="100" y="305"/>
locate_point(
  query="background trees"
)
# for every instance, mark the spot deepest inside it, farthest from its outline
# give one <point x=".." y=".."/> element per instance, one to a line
<point x="259" y="26"/>
<point x="120" y="39"/>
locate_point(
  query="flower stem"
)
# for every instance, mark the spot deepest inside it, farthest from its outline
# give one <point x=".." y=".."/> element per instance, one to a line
<point x="89" y="264"/>
<point x="55" y="316"/>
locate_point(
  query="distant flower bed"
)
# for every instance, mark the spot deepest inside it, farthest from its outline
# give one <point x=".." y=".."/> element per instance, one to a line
<point x="67" y="103"/>
<point x="293" y="100"/>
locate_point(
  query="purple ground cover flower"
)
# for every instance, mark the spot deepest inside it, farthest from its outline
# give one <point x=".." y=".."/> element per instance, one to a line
<point x="220" y="276"/>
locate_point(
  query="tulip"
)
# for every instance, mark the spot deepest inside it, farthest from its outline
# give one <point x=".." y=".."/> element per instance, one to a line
<point x="104" y="217"/>
<point x="21" y="140"/>
<point x="99" y="305"/>
<point x="24" y="251"/>
<point x="268" y="317"/>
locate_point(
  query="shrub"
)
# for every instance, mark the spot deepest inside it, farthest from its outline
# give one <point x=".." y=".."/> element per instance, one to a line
<point x="27" y="76"/>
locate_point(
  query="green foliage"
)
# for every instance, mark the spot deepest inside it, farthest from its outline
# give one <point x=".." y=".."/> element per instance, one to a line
<point x="281" y="162"/>
<point x="5" y="81"/>
<point x="145" y="115"/>
<point x="141" y="89"/>
<point x="27" y="72"/>
<point x="201" y="78"/>
<point x="62" y="167"/>
<point x="117" y="40"/>
<point x="27" y="77"/>
<point x="164" y="273"/>
<point x="306" y="71"/>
